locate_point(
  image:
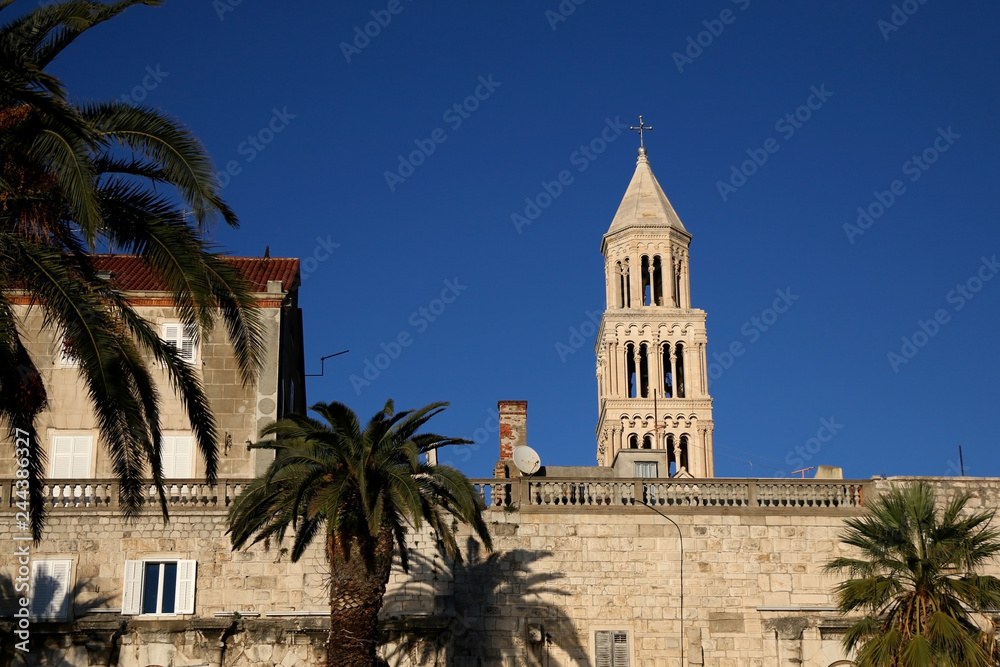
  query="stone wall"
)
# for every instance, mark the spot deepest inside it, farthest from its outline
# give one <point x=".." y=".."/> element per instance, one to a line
<point x="754" y="590"/>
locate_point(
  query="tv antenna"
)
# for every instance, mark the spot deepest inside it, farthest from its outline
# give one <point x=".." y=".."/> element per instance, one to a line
<point x="322" y="364"/>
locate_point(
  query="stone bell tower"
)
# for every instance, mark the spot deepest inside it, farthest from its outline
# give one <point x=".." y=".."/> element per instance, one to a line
<point x="651" y="341"/>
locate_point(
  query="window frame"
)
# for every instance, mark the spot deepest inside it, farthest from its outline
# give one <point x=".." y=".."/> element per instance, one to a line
<point x="185" y="332"/>
<point x="63" y="611"/>
<point x="629" y="658"/>
<point x="133" y="587"/>
<point x="174" y="438"/>
<point x="655" y="466"/>
<point x="59" y="434"/>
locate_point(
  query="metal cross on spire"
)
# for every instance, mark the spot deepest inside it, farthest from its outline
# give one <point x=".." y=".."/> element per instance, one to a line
<point x="641" y="127"/>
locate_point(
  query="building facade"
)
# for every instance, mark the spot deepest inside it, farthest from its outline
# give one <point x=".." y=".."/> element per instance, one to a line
<point x="644" y="560"/>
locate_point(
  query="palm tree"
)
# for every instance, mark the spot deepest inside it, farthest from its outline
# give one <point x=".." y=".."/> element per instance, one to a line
<point x="364" y="488"/>
<point x="79" y="177"/>
<point x="918" y="582"/>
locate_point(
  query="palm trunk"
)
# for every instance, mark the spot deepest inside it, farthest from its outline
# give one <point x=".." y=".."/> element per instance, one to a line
<point x="356" y="595"/>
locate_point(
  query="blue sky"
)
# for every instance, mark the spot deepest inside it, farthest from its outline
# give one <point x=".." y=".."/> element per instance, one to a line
<point x="897" y="80"/>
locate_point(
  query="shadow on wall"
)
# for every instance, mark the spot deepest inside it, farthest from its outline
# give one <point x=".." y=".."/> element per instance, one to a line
<point x="46" y="642"/>
<point x="471" y="605"/>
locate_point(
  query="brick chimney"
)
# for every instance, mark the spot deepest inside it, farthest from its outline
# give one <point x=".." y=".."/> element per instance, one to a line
<point x="513" y="433"/>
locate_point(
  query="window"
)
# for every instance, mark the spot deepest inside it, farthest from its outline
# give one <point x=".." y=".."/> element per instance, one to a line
<point x="158" y="587"/>
<point x="182" y="336"/>
<point x="50" y="589"/>
<point x="67" y="357"/>
<point x="611" y="648"/>
<point x="645" y="469"/>
<point x="176" y="456"/>
<point x="70" y="456"/>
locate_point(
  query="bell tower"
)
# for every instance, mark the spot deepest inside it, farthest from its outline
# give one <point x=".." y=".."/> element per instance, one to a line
<point x="652" y="378"/>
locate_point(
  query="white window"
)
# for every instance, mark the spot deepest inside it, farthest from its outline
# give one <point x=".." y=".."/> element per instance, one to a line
<point x="645" y="469"/>
<point x="50" y="589"/>
<point x="162" y="587"/>
<point x="70" y="456"/>
<point x="67" y="358"/>
<point x="611" y="648"/>
<point x="176" y="455"/>
<point x="182" y="336"/>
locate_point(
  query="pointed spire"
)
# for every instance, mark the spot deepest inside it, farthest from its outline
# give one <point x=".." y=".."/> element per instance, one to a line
<point x="645" y="205"/>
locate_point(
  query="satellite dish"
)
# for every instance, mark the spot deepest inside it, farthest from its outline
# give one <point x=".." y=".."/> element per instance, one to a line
<point x="526" y="459"/>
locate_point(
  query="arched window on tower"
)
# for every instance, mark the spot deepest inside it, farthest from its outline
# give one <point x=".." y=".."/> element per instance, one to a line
<point x="679" y="362"/>
<point x="671" y="458"/>
<point x="643" y="371"/>
<point x="647" y="442"/>
<point x="633" y="441"/>
<point x="677" y="285"/>
<point x="684" y="453"/>
<point x="630" y="370"/>
<point x="619" y="285"/>
<point x="626" y="286"/>
<point x="668" y="378"/>
<point x="657" y="281"/>
<point x="647" y="282"/>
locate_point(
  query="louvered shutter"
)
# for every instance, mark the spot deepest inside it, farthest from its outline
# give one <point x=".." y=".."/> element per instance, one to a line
<point x="81" y="456"/>
<point x="132" y="588"/>
<point x="50" y="588"/>
<point x="177" y="456"/>
<point x="186" y="574"/>
<point x="62" y="457"/>
<point x="182" y="337"/>
<point x="602" y="649"/>
<point x="620" y="649"/>
<point x="187" y="343"/>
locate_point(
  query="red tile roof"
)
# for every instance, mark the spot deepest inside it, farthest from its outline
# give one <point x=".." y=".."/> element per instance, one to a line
<point x="130" y="273"/>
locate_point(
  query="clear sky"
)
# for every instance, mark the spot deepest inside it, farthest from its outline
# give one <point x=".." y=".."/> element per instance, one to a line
<point x="310" y="114"/>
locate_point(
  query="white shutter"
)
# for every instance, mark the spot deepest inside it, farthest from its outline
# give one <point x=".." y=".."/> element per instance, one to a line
<point x="183" y="338"/>
<point x="177" y="456"/>
<point x="187" y="346"/>
<point x="66" y="358"/>
<point x="62" y="457"/>
<point x="50" y="589"/>
<point x="602" y="649"/>
<point x="132" y="588"/>
<point x="81" y="456"/>
<point x="620" y="651"/>
<point x="186" y="571"/>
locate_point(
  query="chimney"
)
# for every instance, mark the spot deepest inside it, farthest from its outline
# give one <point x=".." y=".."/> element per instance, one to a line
<point x="513" y="433"/>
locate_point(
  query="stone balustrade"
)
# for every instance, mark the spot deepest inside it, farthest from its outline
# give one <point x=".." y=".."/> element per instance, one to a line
<point x="523" y="493"/>
<point x="96" y="494"/>
<point x="541" y="493"/>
